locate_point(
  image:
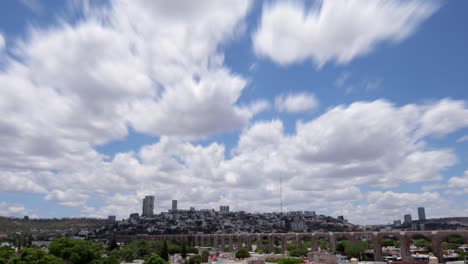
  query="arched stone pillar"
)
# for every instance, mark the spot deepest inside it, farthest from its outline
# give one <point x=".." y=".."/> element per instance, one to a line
<point x="259" y="242"/>
<point x="377" y="245"/>
<point x="284" y="243"/>
<point x="314" y="242"/>
<point x="249" y="242"/>
<point x="231" y="243"/>
<point x="216" y="241"/>
<point x="332" y="244"/>
<point x="405" y="248"/>
<point x="271" y="243"/>
<point x="436" y="242"/>
<point x="352" y="238"/>
<point x="298" y="239"/>
<point x="223" y="242"/>
<point x="239" y="242"/>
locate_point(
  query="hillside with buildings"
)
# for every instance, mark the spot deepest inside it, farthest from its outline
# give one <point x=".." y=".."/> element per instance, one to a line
<point x="210" y="221"/>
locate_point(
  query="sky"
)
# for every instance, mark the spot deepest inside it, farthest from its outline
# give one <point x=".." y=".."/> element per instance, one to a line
<point x="358" y="107"/>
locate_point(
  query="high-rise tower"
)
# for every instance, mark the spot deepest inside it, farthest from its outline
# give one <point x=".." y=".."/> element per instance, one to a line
<point x="421" y="213"/>
<point x="148" y="206"/>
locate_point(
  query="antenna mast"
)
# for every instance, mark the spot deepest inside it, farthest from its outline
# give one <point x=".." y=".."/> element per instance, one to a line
<point x="281" y="195"/>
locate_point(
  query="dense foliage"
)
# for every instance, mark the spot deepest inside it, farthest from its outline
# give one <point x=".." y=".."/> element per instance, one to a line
<point x="242" y="253"/>
<point x="196" y="259"/>
<point x="6" y="253"/>
<point x="298" y="252"/>
<point x="27" y="256"/>
<point x="353" y="250"/>
<point x="155" y="260"/>
<point x="164" y="251"/>
<point x="285" y="260"/>
<point x="75" y="251"/>
<point x="204" y="256"/>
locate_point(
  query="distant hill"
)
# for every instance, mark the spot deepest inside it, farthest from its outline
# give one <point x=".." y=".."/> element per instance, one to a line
<point x="11" y="225"/>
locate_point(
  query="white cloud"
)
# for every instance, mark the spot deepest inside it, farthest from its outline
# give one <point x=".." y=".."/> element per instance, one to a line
<point x="34" y="5"/>
<point x="296" y="103"/>
<point x="68" y="198"/>
<point x="325" y="162"/>
<point x="22" y="181"/>
<point x="335" y="30"/>
<point x="120" y="70"/>
<point x="463" y="139"/>
<point x="432" y="187"/>
<point x="459" y="183"/>
<point x="319" y="164"/>
<point x="385" y="206"/>
<point x="443" y="118"/>
<point x="393" y="200"/>
<point x="13" y="209"/>
<point x="2" y="42"/>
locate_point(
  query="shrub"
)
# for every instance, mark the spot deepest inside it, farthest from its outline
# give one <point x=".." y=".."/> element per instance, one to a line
<point x="242" y="253"/>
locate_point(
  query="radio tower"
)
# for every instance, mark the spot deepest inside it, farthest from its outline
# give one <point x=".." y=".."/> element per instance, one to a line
<point x="281" y="195"/>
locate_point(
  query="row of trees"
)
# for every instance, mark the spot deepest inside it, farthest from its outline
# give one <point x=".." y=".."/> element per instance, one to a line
<point x="67" y="250"/>
<point x="26" y="256"/>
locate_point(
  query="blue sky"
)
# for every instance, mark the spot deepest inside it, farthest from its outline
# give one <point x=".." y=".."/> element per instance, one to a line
<point x="360" y="107"/>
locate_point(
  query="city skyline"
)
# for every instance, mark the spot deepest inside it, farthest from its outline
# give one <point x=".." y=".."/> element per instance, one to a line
<point x="214" y="103"/>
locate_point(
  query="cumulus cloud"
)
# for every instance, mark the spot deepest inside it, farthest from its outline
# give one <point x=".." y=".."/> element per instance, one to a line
<point x="319" y="165"/>
<point x="2" y="42"/>
<point x="437" y="122"/>
<point x="120" y="69"/>
<point x="296" y="103"/>
<point x="459" y="183"/>
<point x="34" y="5"/>
<point x="386" y="206"/>
<point x="69" y="198"/>
<point x="13" y="209"/>
<point x="323" y="163"/>
<point x="338" y="31"/>
<point x="463" y="139"/>
<point x="392" y="200"/>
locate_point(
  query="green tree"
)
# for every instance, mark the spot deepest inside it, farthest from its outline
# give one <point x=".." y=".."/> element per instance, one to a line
<point x="323" y="244"/>
<point x="183" y="252"/>
<point x="75" y="251"/>
<point x="164" y="251"/>
<point x="340" y="247"/>
<point x="455" y="239"/>
<point x="204" y="256"/>
<point x="36" y="256"/>
<point x="388" y="242"/>
<point x="196" y="259"/>
<point x="112" y="245"/>
<point x="155" y="260"/>
<point x="192" y="250"/>
<point x="6" y="253"/>
<point x="242" y="253"/>
<point x="172" y="249"/>
<point x="289" y="261"/>
<point x="446" y="245"/>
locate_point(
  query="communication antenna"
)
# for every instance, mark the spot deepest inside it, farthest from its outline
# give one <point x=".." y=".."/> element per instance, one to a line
<point x="281" y="195"/>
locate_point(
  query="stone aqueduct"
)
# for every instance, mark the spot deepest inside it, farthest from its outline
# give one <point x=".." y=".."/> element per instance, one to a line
<point x="233" y="241"/>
